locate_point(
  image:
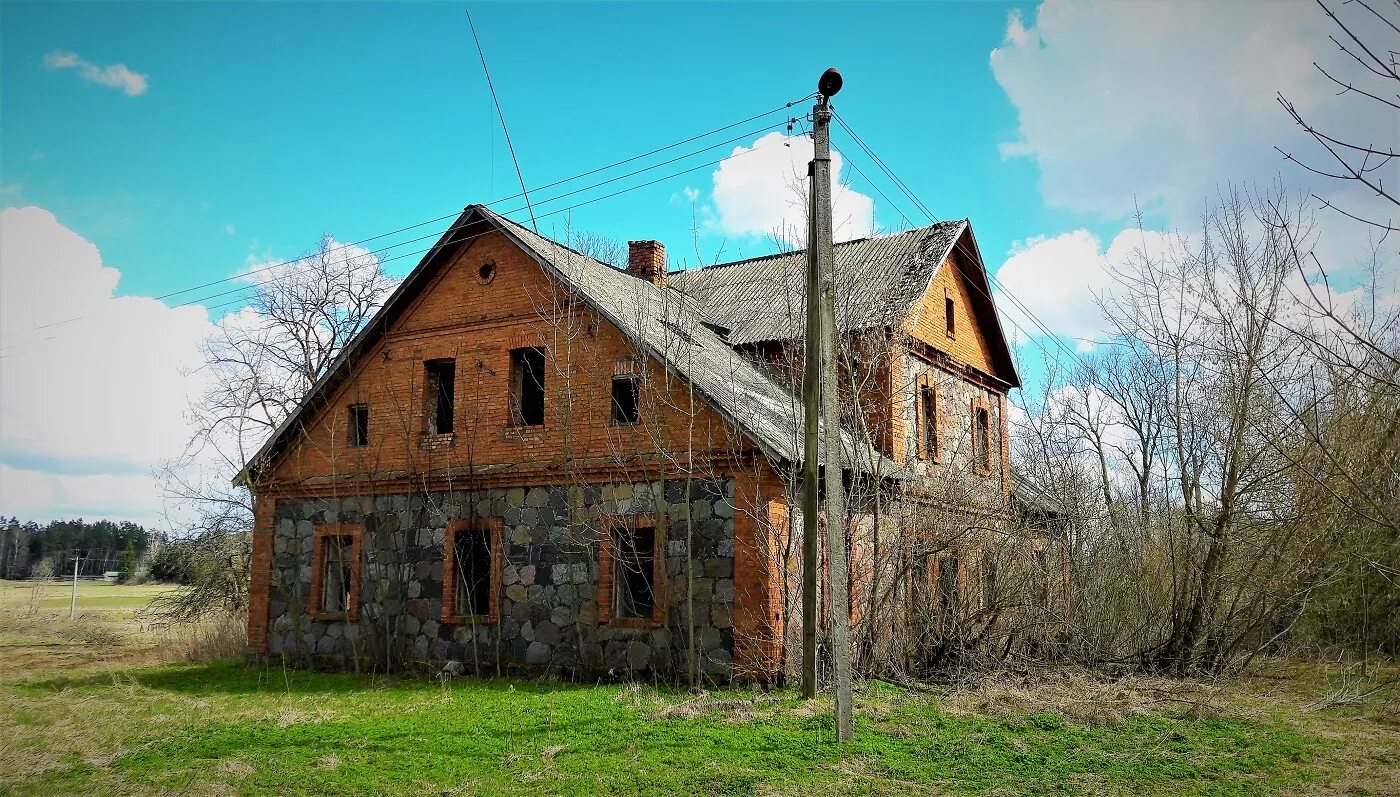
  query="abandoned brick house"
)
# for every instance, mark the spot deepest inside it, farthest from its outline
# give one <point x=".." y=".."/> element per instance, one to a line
<point x="531" y="460"/>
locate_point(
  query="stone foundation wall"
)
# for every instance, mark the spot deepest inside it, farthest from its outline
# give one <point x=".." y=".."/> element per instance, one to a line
<point x="548" y="612"/>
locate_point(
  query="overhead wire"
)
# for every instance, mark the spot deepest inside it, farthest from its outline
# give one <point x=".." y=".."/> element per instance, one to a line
<point x="657" y="150"/>
<point x="1016" y="301"/>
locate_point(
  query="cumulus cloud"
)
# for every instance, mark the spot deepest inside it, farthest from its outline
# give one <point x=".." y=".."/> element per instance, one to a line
<point x="1163" y="101"/>
<point x="1061" y="278"/>
<point x="93" y="387"/>
<point x="764" y="192"/>
<point x="115" y="76"/>
<point x="1158" y="105"/>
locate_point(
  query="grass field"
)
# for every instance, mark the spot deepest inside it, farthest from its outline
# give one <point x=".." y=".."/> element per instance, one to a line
<point x="117" y="600"/>
<point x="106" y="726"/>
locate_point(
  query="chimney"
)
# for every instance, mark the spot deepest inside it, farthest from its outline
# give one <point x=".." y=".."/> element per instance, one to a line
<point x="647" y="260"/>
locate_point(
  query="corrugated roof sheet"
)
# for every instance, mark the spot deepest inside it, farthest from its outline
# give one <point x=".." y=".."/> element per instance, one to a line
<point x="764" y="298"/>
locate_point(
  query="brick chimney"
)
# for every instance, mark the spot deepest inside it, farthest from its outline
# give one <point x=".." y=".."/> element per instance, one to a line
<point x="647" y="260"/>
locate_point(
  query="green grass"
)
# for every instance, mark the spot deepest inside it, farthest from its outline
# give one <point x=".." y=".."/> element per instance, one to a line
<point x="77" y="716"/>
<point x="93" y="596"/>
<point x="226" y="727"/>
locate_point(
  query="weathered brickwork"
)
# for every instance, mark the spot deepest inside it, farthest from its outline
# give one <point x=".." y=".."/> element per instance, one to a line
<point x="957" y="400"/>
<point x="545" y="489"/>
<point x="548" y="614"/>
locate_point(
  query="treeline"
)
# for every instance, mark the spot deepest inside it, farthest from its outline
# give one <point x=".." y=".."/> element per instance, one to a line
<point x="34" y="550"/>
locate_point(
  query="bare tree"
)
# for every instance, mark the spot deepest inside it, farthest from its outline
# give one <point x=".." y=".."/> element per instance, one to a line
<point x="259" y="363"/>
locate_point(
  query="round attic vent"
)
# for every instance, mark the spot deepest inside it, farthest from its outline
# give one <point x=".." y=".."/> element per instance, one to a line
<point x="486" y="273"/>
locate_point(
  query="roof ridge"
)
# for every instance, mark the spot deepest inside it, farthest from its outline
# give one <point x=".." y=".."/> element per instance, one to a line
<point x="866" y="239"/>
<point x="540" y="235"/>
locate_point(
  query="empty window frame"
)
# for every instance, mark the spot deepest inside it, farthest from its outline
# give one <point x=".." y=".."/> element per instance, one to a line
<point x="472" y="571"/>
<point x="527" y="386"/>
<point x="949" y="314"/>
<point x="440" y="391"/>
<point x="981" y="439"/>
<point x="335" y="574"/>
<point x="926" y="422"/>
<point x="633" y="573"/>
<point x="358" y="425"/>
<point x="626" y="399"/>
<point x="948" y="585"/>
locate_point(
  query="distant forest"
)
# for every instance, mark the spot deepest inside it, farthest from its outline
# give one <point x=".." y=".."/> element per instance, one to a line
<point x="29" y="550"/>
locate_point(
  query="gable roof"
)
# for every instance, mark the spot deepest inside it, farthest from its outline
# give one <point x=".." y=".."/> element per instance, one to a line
<point x="665" y="323"/>
<point x="764" y="298"/>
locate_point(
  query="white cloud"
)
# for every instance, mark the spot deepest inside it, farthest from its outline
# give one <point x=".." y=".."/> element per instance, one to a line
<point x="764" y="192"/>
<point x="116" y="76"/>
<point x="1061" y="279"/>
<point x="1159" y="105"/>
<point x="1163" y="102"/>
<point x="36" y="495"/>
<point x="93" y="386"/>
<point x="230" y="229"/>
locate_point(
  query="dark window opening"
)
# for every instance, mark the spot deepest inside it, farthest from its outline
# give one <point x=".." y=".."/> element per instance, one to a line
<point x="626" y="399"/>
<point x="989" y="577"/>
<point x="634" y="560"/>
<point x="359" y="425"/>
<point x="441" y="378"/>
<point x="948" y="311"/>
<point x="948" y="584"/>
<point x="487" y="272"/>
<point x="471" y="572"/>
<point x="527" y="386"/>
<point x="982" y="443"/>
<point x="337" y="574"/>
<point x="928" y="415"/>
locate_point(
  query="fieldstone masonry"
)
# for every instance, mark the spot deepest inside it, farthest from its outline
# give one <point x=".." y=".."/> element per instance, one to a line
<point x="549" y="580"/>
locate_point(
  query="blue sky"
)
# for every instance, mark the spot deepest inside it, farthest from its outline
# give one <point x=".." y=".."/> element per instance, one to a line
<point x="154" y="147"/>
<point x="287" y="121"/>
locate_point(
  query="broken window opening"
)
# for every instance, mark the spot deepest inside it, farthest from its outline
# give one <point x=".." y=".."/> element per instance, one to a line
<point x="337" y="573"/>
<point x="359" y="425"/>
<point x="440" y="381"/>
<point x="948" y="585"/>
<point x="472" y="566"/>
<point x="634" y="562"/>
<point x="626" y="399"/>
<point x="982" y="440"/>
<point x="527" y="386"/>
<point x="948" y="313"/>
<point x="928" y="415"/>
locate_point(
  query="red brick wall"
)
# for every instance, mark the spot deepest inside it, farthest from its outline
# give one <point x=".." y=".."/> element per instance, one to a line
<point x="478" y="324"/>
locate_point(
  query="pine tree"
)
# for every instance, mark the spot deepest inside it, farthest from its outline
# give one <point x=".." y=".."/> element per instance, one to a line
<point x="127" y="571"/>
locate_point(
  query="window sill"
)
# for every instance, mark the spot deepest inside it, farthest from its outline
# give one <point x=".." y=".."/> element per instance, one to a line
<point x="431" y="441"/>
<point x="640" y="623"/>
<point x="522" y="432"/>
<point x="470" y="619"/>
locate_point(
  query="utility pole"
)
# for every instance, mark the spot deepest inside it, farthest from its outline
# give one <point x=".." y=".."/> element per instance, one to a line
<point x="820" y="398"/>
<point x="821" y="245"/>
<point x="73" y="606"/>
<point x="811" y="412"/>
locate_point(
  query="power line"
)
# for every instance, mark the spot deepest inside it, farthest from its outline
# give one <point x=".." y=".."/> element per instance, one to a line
<point x="562" y="181"/>
<point x="516" y="210"/>
<point x="574" y="206"/>
<point x="509" y="144"/>
<point x="992" y="278"/>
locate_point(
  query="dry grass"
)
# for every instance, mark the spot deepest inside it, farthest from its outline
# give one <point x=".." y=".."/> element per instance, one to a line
<point x="1080" y="696"/>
